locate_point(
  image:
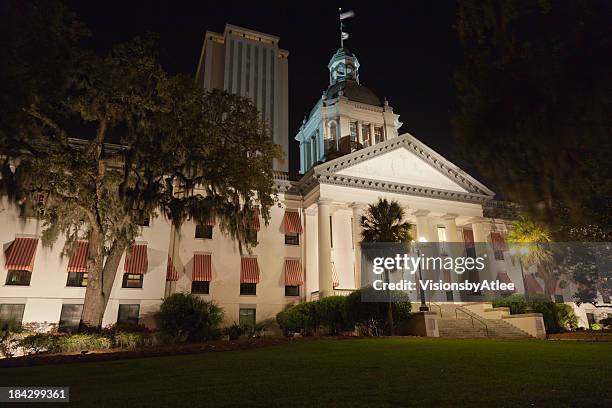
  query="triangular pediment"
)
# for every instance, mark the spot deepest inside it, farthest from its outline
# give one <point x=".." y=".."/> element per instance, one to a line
<point x="404" y="160"/>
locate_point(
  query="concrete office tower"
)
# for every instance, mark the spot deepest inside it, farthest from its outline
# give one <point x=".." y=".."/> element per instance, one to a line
<point x="250" y="63"/>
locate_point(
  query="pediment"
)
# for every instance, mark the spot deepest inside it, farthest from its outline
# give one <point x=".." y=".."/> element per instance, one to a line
<point x="404" y="160"/>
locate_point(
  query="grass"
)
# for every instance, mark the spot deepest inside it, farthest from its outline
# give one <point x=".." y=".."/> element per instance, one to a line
<point x="346" y="373"/>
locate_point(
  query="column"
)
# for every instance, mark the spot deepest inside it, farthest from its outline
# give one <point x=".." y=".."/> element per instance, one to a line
<point x="480" y="248"/>
<point x="326" y="286"/>
<point x="450" y="227"/>
<point x="358" y="210"/>
<point x="423" y="228"/>
<point x="359" y="133"/>
<point x="454" y="248"/>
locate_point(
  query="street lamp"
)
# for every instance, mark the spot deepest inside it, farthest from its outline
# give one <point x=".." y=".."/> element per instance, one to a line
<point x="423" y="307"/>
<point x="521" y="251"/>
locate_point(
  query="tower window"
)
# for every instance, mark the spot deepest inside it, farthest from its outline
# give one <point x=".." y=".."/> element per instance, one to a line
<point x="378" y="134"/>
<point x="365" y="133"/>
<point x="353" y="128"/>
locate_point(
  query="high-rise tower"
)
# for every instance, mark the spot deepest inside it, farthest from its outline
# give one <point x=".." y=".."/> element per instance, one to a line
<point x="249" y="63"/>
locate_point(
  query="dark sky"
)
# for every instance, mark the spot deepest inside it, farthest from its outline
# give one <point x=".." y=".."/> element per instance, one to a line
<point x="408" y="50"/>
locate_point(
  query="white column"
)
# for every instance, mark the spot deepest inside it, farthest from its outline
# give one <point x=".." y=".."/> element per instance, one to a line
<point x="326" y="286"/>
<point x="424" y="231"/>
<point x="358" y="210"/>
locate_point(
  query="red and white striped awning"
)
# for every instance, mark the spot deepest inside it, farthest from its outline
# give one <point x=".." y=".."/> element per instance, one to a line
<point x="335" y="277"/>
<point x="78" y="260"/>
<point x="292" y="222"/>
<point x="294" y="275"/>
<point x="504" y="278"/>
<point x="254" y="222"/>
<point x="202" y="268"/>
<point x="249" y="270"/>
<point x="172" y="274"/>
<point x="498" y="242"/>
<point x="136" y="261"/>
<point x="532" y="285"/>
<point x="20" y="254"/>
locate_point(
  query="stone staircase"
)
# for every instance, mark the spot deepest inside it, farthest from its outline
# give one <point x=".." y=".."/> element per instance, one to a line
<point x="458" y="322"/>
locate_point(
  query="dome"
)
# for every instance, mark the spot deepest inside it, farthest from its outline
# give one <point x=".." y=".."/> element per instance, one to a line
<point x="354" y="92"/>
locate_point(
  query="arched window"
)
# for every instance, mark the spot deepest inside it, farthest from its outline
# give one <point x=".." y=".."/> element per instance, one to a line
<point x="332" y="130"/>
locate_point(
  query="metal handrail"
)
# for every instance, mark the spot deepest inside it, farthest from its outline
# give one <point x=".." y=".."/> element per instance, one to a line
<point x="437" y="305"/>
<point x="472" y="316"/>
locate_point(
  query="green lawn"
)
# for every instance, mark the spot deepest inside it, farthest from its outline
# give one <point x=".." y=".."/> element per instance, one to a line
<point x="350" y="373"/>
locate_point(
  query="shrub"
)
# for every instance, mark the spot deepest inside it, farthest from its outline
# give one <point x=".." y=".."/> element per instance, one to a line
<point x="595" y="326"/>
<point x="234" y="331"/>
<point x="331" y="313"/>
<point x="371" y="317"/>
<point x="8" y="337"/>
<point x="566" y="316"/>
<point x="516" y="303"/>
<point x="82" y="342"/>
<point x="301" y="318"/>
<point x="186" y="317"/>
<point x="607" y="322"/>
<point x="38" y="343"/>
<point x="130" y="340"/>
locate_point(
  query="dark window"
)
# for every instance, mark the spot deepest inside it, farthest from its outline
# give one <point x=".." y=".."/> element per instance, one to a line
<point x="143" y="219"/>
<point x="449" y="296"/>
<point x="252" y="234"/>
<point x="292" y="290"/>
<point x="11" y="312"/>
<point x="204" y="231"/>
<point x="248" y="288"/>
<point x="77" y="279"/>
<point x="70" y="318"/>
<point x="331" y="231"/>
<point x="292" y="239"/>
<point x="132" y="280"/>
<point x="18" y="278"/>
<point x="247" y="317"/>
<point x="559" y="298"/>
<point x="128" y="314"/>
<point x="200" y="288"/>
<point x="499" y="255"/>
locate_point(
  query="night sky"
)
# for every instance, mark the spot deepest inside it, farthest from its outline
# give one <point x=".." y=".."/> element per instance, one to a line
<point x="408" y="50"/>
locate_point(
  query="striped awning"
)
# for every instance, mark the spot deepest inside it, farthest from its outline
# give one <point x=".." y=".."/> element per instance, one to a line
<point x="172" y="274"/>
<point x="202" y="268"/>
<point x="249" y="270"/>
<point x="504" y="278"/>
<point x="78" y="260"/>
<point x="498" y="241"/>
<point x="292" y="222"/>
<point x="532" y="285"/>
<point x="254" y="222"/>
<point x="20" y="254"/>
<point x="335" y="277"/>
<point x="294" y="275"/>
<point x="136" y="261"/>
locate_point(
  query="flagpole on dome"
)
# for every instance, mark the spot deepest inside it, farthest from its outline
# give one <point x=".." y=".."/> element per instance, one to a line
<point x="344" y="16"/>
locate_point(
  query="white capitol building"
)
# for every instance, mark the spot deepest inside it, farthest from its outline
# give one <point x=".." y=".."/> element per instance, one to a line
<point x="352" y="152"/>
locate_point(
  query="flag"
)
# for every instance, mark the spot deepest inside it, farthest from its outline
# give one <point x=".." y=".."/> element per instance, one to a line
<point x="347" y="14"/>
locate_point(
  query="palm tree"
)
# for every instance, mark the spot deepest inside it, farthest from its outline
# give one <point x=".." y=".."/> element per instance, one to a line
<point x="532" y="238"/>
<point x="383" y="222"/>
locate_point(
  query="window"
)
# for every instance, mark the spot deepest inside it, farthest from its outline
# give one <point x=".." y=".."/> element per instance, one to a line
<point x="18" y="277"/>
<point x="132" y="280"/>
<point x="248" y="288"/>
<point x="558" y="298"/>
<point x="128" y="314"/>
<point x="365" y="135"/>
<point x="353" y="129"/>
<point x="247" y="317"/>
<point x="11" y="312"/>
<point x="331" y="232"/>
<point x="292" y="239"/>
<point x="200" y="287"/>
<point x="204" y="231"/>
<point x="292" y="290"/>
<point x="378" y="134"/>
<point x="499" y="254"/>
<point x="78" y="279"/>
<point x="332" y="130"/>
<point x="70" y="318"/>
<point x="143" y="219"/>
<point x="252" y="234"/>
